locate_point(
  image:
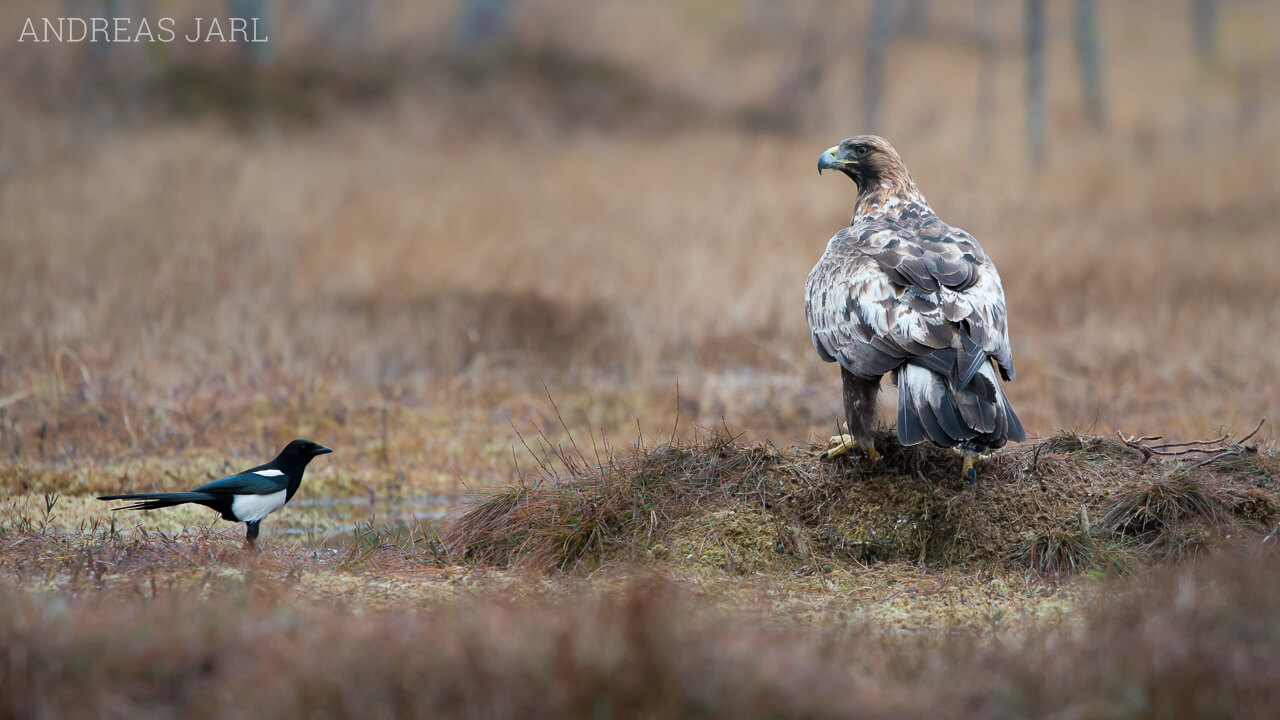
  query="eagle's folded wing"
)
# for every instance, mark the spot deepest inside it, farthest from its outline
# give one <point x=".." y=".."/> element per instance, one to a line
<point x="883" y="294"/>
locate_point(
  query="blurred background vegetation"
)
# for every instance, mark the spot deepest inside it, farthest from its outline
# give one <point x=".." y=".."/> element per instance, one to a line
<point x="389" y="226"/>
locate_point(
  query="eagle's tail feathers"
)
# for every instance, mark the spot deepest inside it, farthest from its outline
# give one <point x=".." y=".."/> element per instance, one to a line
<point x="927" y="410"/>
<point x="978" y="406"/>
<point x="931" y="426"/>
<point x="931" y="406"/>
<point x="985" y="388"/>
<point x="949" y="417"/>
<point x="910" y="429"/>
<point x="1015" y="431"/>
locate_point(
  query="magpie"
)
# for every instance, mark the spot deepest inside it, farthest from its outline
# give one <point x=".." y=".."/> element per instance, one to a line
<point x="245" y="497"/>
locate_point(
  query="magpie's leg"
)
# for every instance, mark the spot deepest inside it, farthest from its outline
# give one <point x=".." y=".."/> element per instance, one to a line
<point x="251" y="534"/>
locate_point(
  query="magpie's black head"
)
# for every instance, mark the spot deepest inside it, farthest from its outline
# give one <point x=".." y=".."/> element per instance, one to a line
<point x="301" y="452"/>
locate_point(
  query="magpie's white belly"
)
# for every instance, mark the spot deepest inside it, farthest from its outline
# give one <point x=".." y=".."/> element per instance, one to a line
<point x="250" y="508"/>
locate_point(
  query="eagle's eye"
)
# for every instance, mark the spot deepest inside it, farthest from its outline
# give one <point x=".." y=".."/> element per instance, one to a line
<point x="861" y="151"/>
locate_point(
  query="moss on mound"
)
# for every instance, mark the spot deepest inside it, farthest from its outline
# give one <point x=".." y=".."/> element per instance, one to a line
<point x="1067" y="504"/>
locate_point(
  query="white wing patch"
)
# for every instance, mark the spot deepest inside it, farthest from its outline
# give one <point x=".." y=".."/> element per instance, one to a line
<point x="269" y="472"/>
<point x="250" y="508"/>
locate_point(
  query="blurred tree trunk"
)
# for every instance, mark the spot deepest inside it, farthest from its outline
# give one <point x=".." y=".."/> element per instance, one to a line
<point x="1204" y="16"/>
<point x="92" y="63"/>
<point x="1035" y="80"/>
<point x="915" y="17"/>
<point x="986" y="83"/>
<point x="879" y="32"/>
<point x="797" y="84"/>
<point x="106" y="9"/>
<point x="1204" y="20"/>
<point x="343" y="23"/>
<point x="257" y="52"/>
<point x="482" y="24"/>
<point x="1089" y="54"/>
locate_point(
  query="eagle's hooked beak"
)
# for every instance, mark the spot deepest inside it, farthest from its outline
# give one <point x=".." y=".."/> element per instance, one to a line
<point x="830" y="159"/>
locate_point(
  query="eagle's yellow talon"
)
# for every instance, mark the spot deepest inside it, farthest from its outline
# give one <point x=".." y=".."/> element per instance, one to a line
<point x="840" y="444"/>
<point x="872" y="454"/>
<point x="967" y="470"/>
<point x="844" y="444"/>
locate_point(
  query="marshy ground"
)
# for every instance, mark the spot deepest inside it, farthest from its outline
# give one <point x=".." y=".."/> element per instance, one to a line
<point x="547" y="308"/>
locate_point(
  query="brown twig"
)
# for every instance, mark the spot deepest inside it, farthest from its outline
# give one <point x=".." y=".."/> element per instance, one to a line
<point x="1217" y="448"/>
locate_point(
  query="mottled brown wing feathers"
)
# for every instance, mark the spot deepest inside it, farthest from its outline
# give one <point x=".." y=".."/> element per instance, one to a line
<point x="927" y="257"/>
<point x="886" y="291"/>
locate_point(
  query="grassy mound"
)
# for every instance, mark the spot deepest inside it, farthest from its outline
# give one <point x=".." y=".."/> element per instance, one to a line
<point x="1068" y="504"/>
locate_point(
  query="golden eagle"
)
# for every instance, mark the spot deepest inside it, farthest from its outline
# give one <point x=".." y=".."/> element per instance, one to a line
<point x="900" y="291"/>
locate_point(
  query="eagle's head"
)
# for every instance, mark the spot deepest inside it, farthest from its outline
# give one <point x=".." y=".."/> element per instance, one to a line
<point x="868" y="159"/>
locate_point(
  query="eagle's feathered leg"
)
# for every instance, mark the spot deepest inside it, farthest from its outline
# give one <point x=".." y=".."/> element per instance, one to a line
<point x="860" y="416"/>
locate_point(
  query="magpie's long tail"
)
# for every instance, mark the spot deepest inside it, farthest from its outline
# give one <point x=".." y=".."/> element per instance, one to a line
<point x="155" y="501"/>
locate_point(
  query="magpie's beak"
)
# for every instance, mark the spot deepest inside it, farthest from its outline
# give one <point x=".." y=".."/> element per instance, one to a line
<point x="830" y="159"/>
<point x="321" y="450"/>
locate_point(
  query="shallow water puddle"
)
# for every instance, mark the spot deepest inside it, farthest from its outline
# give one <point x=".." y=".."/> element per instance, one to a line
<point x="319" y="522"/>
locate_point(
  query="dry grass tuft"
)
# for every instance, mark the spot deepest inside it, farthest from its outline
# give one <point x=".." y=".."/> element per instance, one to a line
<point x="1057" y="552"/>
<point x="1154" y="505"/>
<point x="602" y="508"/>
